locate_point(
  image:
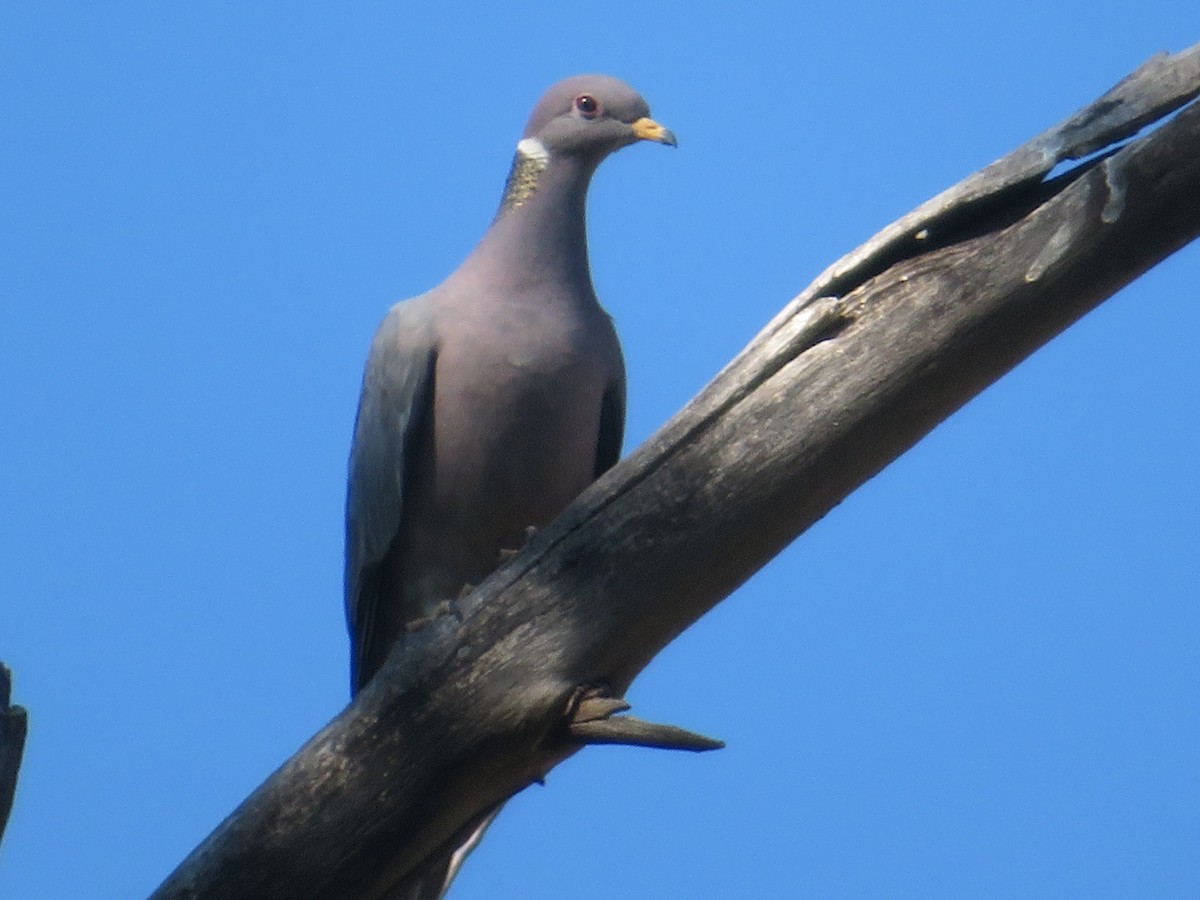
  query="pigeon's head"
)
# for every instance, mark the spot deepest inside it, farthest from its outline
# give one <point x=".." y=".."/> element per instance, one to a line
<point x="589" y="116"/>
<point x="577" y="123"/>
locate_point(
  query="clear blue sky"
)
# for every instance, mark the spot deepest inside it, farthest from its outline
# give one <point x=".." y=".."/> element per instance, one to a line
<point x="978" y="677"/>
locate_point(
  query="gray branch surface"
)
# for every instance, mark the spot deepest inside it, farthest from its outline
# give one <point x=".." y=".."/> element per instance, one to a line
<point x="884" y="345"/>
<point x="13" y="725"/>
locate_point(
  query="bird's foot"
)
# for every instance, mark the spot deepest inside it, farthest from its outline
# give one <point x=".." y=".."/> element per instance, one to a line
<point x="445" y="608"/>
<point x="507" y="553"/>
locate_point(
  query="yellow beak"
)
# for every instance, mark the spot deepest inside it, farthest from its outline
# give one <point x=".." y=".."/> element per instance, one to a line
<point x="645" y="129"/>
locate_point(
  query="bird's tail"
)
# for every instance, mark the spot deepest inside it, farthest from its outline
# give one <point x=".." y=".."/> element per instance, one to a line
<point x="431" y="880"/>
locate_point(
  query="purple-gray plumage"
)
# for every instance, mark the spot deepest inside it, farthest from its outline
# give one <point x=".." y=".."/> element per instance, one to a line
<point x="491" y="401"/>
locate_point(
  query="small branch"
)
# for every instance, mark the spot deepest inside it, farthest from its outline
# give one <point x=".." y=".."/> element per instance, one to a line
<point x="639" y="733"/>
<point x="13" y="727"/>
<point x="594" y="721"/>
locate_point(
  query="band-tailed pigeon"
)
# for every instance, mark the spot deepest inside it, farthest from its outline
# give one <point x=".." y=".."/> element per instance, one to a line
<point x="491" y="401"/>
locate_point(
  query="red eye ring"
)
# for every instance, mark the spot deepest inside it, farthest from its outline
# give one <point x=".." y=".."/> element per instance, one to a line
<point x="588" y="106"/>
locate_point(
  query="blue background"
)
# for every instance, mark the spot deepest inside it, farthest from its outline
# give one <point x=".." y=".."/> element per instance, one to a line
<point x="979" y="676"/>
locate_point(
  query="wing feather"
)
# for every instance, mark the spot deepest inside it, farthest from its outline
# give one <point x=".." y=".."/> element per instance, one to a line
<point x="397" y="392"/>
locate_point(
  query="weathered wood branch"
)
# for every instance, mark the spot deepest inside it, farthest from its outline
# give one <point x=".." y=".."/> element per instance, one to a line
<point x="594" y="720"/>
<point x="882" y="347"/>
<point x="13" y="725"/>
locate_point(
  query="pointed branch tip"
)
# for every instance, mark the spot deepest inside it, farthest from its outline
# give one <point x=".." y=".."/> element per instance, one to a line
<point x="640" y="733"/>
<point x="592" y="719"/>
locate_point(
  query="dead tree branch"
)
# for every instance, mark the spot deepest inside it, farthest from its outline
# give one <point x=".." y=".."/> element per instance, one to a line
<point x="13" y="724"/>
<point x="884" y="345"/>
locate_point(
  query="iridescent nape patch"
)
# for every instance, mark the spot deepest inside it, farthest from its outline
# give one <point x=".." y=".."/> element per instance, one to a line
<point x="529" y="162"/>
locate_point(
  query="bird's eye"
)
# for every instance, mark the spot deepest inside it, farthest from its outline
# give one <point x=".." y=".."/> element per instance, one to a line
<point x="588" y="106"/>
